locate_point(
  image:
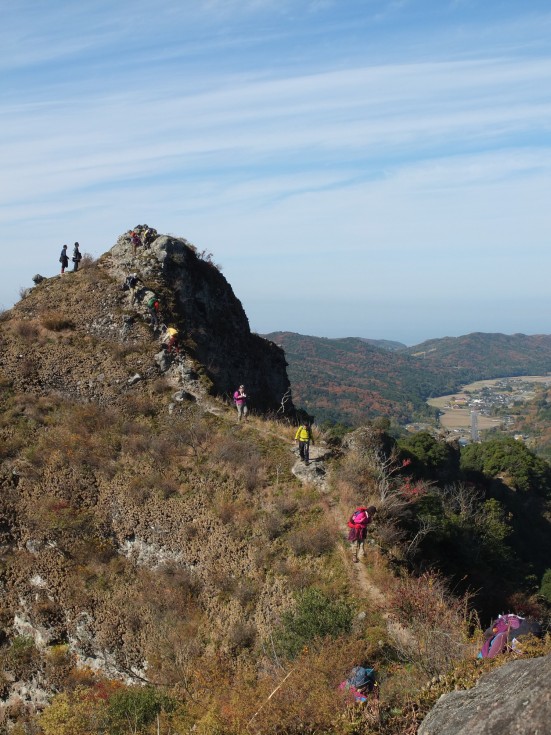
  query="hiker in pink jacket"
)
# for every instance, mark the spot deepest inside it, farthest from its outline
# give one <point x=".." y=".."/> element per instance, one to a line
<point x="240" y="400"/>
<point x="358" y="523"/>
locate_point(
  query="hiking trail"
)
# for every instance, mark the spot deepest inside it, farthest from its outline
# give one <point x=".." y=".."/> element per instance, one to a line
<point x="358" y="572"/>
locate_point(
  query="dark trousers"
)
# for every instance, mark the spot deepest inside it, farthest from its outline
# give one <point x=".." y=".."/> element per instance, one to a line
<point x="304" y="450"/>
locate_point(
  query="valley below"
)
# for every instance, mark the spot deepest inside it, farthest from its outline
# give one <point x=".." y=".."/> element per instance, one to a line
<point x="490" y="399"/>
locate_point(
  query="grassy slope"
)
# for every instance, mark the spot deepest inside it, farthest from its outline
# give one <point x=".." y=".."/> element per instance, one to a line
<point x="179" y="539"/>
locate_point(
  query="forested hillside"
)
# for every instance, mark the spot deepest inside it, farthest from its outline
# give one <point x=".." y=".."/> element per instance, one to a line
<point x="349" y="380"/>
<point x="480" y="356"/>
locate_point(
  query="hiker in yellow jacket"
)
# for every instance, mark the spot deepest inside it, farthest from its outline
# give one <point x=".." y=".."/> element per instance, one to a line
<point x="304" y="437"/>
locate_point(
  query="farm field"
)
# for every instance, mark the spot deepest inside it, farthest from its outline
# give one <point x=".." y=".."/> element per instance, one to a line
<point x="460" y="418"/>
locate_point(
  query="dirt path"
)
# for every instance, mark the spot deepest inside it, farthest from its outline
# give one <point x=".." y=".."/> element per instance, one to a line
<point x="358" y="572"/>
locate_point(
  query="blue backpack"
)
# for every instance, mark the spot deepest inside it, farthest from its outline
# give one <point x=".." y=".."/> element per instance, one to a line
<point x="361" y="678"/>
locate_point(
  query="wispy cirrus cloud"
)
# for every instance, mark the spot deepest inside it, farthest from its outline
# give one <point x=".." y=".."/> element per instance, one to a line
<point x="267" y="131"/>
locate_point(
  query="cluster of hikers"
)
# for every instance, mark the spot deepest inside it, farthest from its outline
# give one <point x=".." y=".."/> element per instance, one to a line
<point x="142" y="236"/>
<point x="169" y="336"/>
<point x="64" y="258"/>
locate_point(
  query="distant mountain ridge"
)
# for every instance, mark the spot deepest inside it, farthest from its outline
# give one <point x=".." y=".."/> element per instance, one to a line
<point x="385" y="344"/>
<point x="479" y="354"/>
<point x="353" y="379"/>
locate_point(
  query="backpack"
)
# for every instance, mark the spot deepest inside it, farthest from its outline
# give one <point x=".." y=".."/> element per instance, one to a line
<point x="361" y="678"/>
<point x="504" y="633"/>
<point x="360" y="517"/>
<point x="151" y="303"/>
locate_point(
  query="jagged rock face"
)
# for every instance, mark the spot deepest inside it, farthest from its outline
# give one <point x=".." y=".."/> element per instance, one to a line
<point x="203" y="306"/>
<point x="515" y="698"/>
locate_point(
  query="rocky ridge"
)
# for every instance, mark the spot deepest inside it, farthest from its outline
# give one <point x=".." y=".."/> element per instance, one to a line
<point x="108" y="490"/>
<point x="80" y="334"/>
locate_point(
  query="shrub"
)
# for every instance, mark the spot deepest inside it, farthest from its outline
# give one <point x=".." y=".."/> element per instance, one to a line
<point x="314" y="540"/>
<point x="57" y="322"/>
<point x="244" y="460"/>
<point x="241" y="635"/>
<point x="273" y="525"/>
<point x="506" y="457"/>
<point x="28" y="331"/>
<point x="130" y="710"/>
<point x="22" y="657"/>
<point x="303" y="699"/>
<point x="315" y="616"/>
<point x="430" y="628"/>
<point x="76" y="713"/>
<point x="105" y="707"/>
<point x="246" y="592"/>
<point x="87" y="261"/>
<point x="545" y="587"/>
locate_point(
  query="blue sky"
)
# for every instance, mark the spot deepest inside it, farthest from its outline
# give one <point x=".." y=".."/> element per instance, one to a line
<point x="373" y="168"/>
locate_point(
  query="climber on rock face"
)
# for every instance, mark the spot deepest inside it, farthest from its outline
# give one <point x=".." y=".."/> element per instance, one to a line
<point x="169" y="340"/>
<point x="130" y="284"/>
<point x="154" y="308"/>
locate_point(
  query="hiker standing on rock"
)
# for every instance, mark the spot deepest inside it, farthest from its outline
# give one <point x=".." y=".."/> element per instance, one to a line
<point x="240" y="400"/>
<point x="64" y="259"/>
<point x="304" y="437"/>
<point x="358" y="523"/>
<point x="135" y="240"/>
<point x="77" y="256"/>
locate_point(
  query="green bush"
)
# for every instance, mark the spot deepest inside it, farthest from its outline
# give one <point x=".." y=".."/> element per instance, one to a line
<point x="315" y="616"/>
<point x="131" y="710"/>
<point x="526" y="471"/>
<point x="545" y="587"/>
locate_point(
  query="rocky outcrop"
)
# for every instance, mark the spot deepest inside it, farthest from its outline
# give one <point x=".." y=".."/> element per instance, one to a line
<point x="515" y="698"/>
<point x="199" y="301"/>
<point x="82" y="335"/>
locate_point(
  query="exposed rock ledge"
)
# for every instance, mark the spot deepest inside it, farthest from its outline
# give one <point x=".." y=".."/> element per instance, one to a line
<point x="514" y="699"/>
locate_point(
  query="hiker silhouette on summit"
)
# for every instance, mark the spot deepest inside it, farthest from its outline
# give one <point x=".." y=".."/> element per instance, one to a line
<point x="64" y="259"/>
<point x="77" y="256"/>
